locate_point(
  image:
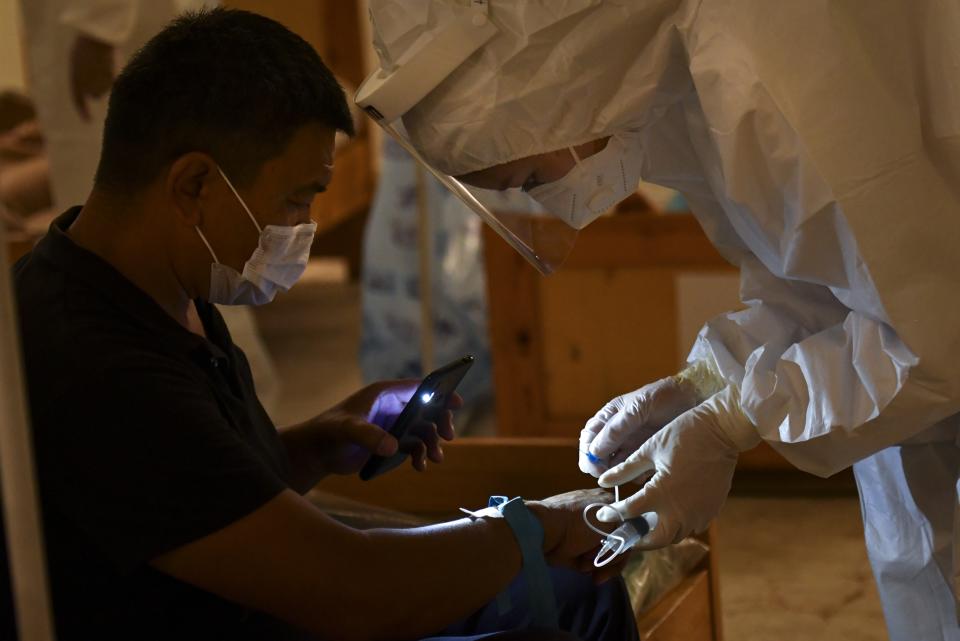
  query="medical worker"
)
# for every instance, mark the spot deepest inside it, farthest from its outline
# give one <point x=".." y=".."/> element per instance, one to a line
<point x="818" y="144"/>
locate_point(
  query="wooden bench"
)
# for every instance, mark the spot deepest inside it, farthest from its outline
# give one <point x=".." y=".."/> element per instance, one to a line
<point x="475" y="468"/>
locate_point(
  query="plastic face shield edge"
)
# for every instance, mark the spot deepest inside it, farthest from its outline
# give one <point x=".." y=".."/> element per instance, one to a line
<point x="542" y="239"/>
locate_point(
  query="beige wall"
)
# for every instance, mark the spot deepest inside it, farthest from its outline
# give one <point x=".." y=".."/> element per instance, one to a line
<point x="11" y="58"/>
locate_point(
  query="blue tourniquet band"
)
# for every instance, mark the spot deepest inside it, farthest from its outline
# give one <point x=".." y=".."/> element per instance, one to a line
<point x="529" y="534"/>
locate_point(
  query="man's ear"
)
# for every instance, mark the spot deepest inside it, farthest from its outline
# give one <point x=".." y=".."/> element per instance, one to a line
<point x="189" y="186"/>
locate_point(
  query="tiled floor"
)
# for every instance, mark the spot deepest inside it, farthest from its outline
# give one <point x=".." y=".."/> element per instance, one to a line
<point x="791" y="569"/>
<point x="796" y="569"/>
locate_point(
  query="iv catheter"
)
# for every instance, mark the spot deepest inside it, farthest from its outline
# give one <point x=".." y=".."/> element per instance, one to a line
<point x="621" y="539"/>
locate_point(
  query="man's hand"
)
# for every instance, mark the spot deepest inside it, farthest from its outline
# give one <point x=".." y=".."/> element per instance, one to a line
<point x="626" y="422"/>
<point x="91" y="71"/>
<point x="692" y="461"/>
<point x="342" y="439"/>
<point x="568" y="542"/>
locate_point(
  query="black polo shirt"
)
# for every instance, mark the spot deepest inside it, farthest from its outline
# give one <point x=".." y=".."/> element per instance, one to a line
<point x="147" y="437"/>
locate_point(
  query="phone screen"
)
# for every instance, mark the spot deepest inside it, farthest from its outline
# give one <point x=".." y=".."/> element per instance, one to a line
<point x="419" y="416"/>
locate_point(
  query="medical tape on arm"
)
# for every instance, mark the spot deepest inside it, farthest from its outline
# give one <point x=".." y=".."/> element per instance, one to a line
<point x="529" y="535"/>
<point x="723" y="399"/>
<point x="731" y="420"/>
<point x="703" y="377"/>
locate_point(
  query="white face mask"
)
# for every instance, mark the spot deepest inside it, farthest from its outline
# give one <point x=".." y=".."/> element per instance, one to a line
<point x="278" y="261"/>
<point x="595" y="184"/>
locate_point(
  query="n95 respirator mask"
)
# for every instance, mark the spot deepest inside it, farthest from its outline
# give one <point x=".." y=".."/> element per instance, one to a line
<point x="595" y="184"/>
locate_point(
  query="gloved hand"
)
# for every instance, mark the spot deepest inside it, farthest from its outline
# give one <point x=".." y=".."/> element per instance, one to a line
<point x="626" y="422"/>
<point x="693" y="460"/>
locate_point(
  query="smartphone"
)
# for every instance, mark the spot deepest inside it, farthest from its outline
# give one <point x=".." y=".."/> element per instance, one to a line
<point x="426" y="408"/>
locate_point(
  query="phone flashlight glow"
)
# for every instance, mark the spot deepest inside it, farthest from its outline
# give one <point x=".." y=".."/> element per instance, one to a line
<point x="426" y="397"/>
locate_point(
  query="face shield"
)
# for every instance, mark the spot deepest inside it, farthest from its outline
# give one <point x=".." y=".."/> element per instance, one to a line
<point x="541" y="237"/>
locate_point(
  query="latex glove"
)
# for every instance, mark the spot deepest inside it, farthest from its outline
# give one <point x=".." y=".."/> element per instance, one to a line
<point x="626" y="422"/>
<point x="692" y="460"/>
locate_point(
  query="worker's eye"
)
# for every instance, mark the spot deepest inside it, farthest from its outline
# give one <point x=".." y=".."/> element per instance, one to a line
<point x="530" y="183"/>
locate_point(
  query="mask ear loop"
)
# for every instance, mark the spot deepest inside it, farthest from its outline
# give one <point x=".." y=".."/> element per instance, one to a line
<point x="576" y="156"/>
<point x="207" y="243"/>
<point x="242" y="203"/>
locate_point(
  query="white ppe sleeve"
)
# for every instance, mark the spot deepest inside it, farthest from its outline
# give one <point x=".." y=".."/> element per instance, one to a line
<point x="823" y="384"/>
<point x="835" y="175"/>
<point x="111" y="21"/>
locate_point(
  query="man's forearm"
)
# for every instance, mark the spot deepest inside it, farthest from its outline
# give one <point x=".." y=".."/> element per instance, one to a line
<point x="428" y="578"/>
<point x="290" y="560"/>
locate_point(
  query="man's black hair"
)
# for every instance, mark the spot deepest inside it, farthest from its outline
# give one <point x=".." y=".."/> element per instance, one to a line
<point x="226" y="82"/>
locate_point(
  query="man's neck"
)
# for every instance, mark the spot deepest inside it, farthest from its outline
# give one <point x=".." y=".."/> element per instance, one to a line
<point x="121" y="233"/>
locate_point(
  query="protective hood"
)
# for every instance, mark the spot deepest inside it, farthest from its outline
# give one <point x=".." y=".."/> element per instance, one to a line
<point x="818" y="144"/>
<point x="558" y="73"/>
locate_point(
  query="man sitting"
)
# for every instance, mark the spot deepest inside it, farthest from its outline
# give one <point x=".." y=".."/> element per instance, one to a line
<point x="172" y="506"/>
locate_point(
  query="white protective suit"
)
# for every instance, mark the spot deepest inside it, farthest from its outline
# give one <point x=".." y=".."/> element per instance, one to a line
<point x="818" y="144"/>
<point x="73" y="144"/>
